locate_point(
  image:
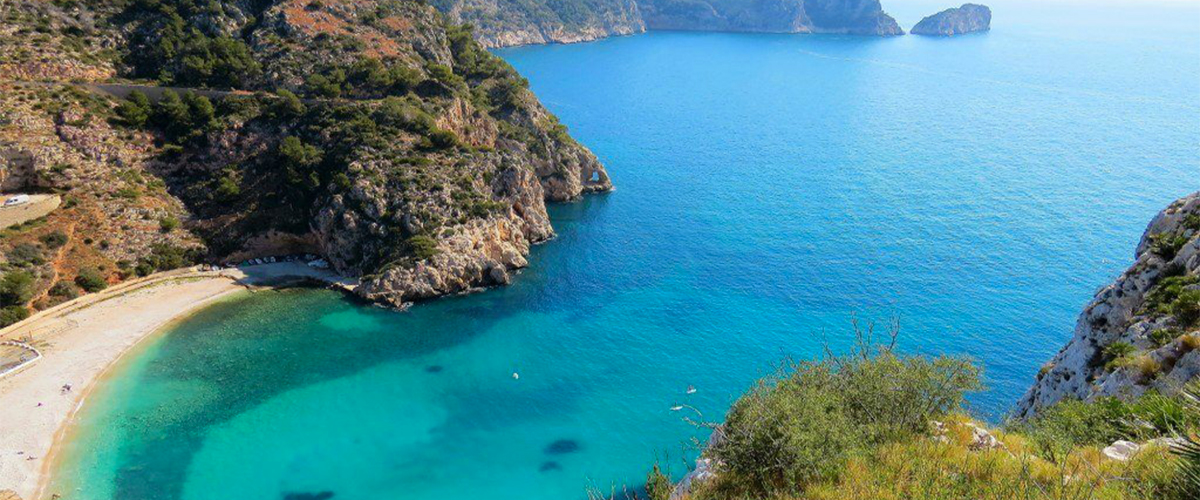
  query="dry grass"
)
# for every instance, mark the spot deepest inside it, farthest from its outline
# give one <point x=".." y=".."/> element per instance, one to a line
<point x="927" y="468"/>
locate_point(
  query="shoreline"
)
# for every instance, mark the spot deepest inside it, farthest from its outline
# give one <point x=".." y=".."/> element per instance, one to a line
<point x="82" y="340"/>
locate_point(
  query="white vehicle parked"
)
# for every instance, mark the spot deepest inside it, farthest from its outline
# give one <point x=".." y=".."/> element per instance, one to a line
<point x="16" y="200"/>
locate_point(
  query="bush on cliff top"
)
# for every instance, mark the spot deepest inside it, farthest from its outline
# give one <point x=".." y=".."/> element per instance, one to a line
<point x="802" y="425"/>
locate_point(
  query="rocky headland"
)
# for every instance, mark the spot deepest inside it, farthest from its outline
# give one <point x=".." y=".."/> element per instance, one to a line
<point x="501" y="23"/>
<point x="969" y="18"/>
<point x="376" y="133"/>
<point x="1142" y="331"/>
<point x="504" y="23"/>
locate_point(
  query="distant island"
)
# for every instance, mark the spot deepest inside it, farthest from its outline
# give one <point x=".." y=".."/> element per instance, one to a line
<point x="970" y="18"/>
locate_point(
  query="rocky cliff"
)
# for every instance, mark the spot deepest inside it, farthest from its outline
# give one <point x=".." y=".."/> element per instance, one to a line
<point x="374" y="133"/>
<point x="860" y="17"/>
<point x="503" y="23"/>
<point x="970" y="18"/>
<point x="1143" y="330"/>
<point x="509" y="22"/>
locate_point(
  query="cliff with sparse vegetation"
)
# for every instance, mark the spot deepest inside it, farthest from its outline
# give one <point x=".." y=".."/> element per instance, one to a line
<point x="374" y="133"/>
<point x="501" y="23"/>
<point x="1140" y="333"/>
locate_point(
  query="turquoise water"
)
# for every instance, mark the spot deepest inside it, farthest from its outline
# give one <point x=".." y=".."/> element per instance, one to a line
<point x="770" y="188"/>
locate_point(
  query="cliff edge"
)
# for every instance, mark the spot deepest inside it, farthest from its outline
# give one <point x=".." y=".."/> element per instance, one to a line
<point x="1142" y="331"/>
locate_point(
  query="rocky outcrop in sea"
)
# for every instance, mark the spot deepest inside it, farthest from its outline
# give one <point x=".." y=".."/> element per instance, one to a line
<point x="1142" y="331"/>
<point x="969" y="18"/>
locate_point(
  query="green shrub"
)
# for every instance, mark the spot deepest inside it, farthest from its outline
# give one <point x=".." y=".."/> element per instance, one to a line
<point x="1116" y="351"/>
<point x="802" y="424"/>
<point x="442" y="139"/>
<point x="422" y="247"/>
<point x="168" y="223"/>
<point x="54" y="240"/>
<point x="171" y="114"/>
<point x="12" y="314"/>
<point x="1166" y="245"/>
<point x="227" y="187"/>
<point x="1192" y="221"/>
<point x="1186" y="307"/>
<point x="16" y="288"/>
<point x="1163" y="336"/>
<point x="164" y="257"/>
<point x="658" y="485"/>
<point x="24" y="254"/>
<point x="1172" y="296"/>
<point x="135" y="111"/>
<point x="287" y="105"/>
<point x="327" y="86"/>
<point x="64" y="290"/>
<point x="90" y="280"/>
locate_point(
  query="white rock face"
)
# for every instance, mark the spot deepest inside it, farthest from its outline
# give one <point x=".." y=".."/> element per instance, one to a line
<point x="1117" y="314"/>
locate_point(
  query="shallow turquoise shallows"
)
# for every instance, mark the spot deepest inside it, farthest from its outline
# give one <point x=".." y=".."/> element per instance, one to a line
<point x="769" y="189"/>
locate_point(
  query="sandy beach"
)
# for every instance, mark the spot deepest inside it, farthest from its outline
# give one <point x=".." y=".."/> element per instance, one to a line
<point x="80" y="339"/>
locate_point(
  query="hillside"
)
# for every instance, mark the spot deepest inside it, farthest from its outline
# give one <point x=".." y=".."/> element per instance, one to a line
<point x="373" y="133"/>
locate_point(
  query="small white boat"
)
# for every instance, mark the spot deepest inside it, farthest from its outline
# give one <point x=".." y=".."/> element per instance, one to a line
<point x="691" y="389"/>
<point x="676" y="407"/>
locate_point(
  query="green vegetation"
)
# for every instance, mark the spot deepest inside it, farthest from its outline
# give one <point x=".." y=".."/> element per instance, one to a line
<point x="170" y="44"/>
<point x="64" y="290"/>
<point x="12" y="314"/>
<point x="135" y="111"/>
<point x="1175" y="296"/>
<point x="422" y="247"/>
<point x="1167" y="245"/>
<point x="26" y="254"/>
<point x="16" y="289"/>
<point x="802" y="425"/>
<point x="91" y="280"/>
<point x="1116" y="351"/>
<point x="164" y="257"/>
<point x="1192" y="222"/>
<point x="1164" y="336"/>
<point x="860" y="427"/>
<point x="168" y="223"/>
<point x="54" y="239"/>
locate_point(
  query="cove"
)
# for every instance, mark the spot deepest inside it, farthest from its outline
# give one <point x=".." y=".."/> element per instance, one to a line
<point x="769" y="189"/>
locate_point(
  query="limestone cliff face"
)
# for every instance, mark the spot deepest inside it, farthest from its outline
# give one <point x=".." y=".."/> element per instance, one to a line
<point x="1140" y="332"/>
<point x="861" y="17"/>
<point x="970" y="18"/>
<point x="503" y="23"/>
<point x="508" y="22"/>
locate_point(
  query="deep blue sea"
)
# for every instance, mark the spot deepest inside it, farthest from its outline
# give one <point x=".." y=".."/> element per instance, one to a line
<point x="770" y="188"/>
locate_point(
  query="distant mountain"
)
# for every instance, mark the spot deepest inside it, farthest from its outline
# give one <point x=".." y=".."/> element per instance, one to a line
<point x="969" y="18"/>
<point x="501" y="23"/>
